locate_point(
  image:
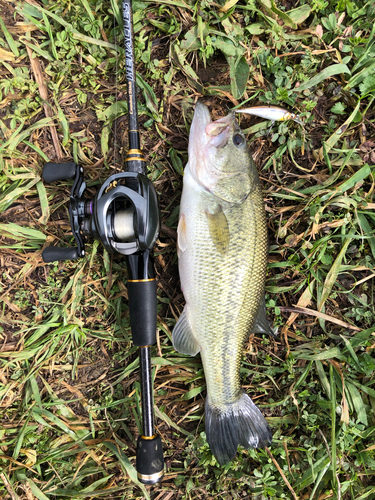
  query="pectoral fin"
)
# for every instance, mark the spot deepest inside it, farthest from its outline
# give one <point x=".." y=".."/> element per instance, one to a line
<point x="261" y="324"/>
<point x="219" y="230"/>
<point x="181" y="235"/>
<point x="183" y="338"/>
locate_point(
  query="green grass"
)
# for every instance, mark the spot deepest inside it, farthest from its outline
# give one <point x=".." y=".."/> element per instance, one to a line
<point x="69" y="387"/>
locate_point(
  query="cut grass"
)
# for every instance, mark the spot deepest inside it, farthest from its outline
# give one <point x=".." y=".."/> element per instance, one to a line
<point x="69" y="386"/>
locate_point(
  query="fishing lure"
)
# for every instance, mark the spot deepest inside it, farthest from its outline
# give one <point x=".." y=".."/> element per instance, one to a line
<point x="273" y="113"/>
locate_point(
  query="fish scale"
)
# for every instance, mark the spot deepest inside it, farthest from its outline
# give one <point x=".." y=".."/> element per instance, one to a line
<point x="222" y="250"/>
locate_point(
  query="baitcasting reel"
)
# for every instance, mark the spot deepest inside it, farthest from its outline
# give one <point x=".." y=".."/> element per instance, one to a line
<point x="124" y="214"/>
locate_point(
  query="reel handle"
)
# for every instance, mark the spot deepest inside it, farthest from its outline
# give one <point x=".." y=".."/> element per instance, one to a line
<point x="51" y="254"/>
<point x="59" y="171"/>
<point x="78" y="206"/>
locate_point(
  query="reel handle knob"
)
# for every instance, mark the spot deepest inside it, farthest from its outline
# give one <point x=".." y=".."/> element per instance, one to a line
<point x="51" y="254"/>
<point x="150" y="460"/>
<point x="59" y="171"/>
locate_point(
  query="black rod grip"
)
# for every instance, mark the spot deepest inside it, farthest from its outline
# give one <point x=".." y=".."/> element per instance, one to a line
<point x="51" y="254"/>
<point x="59" y="171"/>
<point x="142" y="311"/>
<point x="150" y="460"/>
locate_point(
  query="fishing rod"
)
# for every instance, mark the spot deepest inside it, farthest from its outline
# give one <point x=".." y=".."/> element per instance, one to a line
<point x="125" y="216"/>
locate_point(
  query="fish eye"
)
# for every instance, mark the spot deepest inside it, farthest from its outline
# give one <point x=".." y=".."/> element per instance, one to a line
<point x="238" y="140"/>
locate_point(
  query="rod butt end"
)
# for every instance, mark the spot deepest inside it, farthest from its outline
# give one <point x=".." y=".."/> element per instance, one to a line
<point x="150" y="460"/>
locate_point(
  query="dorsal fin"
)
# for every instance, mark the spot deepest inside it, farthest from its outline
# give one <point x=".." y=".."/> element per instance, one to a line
<point x="261" y="324"/>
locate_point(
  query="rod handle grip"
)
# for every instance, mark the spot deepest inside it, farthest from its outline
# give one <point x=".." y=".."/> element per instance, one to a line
<point x="150" y="460"/>
<point x="59" y="171"/>
<point x="142" y="311"/>
<point x="51" y="254"/>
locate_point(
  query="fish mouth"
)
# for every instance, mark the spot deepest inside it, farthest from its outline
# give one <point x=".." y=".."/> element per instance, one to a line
<point x="206" y="137"/>
<point x="220" y="130"/>
<point x="205" y="132"/>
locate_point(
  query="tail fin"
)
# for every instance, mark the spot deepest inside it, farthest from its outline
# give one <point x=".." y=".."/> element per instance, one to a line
<point x="239" y="423"/>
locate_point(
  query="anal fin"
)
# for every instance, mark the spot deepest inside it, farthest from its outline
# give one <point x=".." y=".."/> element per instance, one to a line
<point x="183" y="338"/>
<point x="261" y="324"/>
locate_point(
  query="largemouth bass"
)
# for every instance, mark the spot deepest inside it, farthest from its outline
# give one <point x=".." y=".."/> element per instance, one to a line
<point x="222" y="255"/>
